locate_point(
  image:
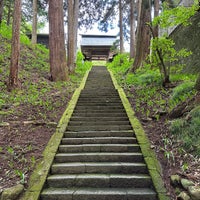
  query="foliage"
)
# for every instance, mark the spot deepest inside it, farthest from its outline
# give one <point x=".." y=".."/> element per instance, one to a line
<point x="182" y="92"/>
<point x="187" y="130"/>
<point x="175" y="16"/>
<point x="120" y="64"/>
<point x="166" y="47"/>
<point x="144" y="76"/>
<point x="164" y="55"/>
<point x="6" y="31"/>
<point x="81" y="67"/>
<point x="27" y="13"/>
<point x="79" y="58"/>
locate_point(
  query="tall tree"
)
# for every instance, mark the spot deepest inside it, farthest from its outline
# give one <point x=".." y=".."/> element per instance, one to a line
<point x="132" y="28"/>
<point x="73" y="12"/>
<point x="58" y="62"/>
<point x="143" y="34"/>
<point x="1" y="10"/>
<point x="156" y="13"/>
<point x="15" y="52"/>
<point x="121" y="26"/>
<point x="34" y="25"/>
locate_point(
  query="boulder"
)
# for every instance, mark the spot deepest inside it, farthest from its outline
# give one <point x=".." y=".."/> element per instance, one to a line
<point x="175" y="180"/>
<point x="12" y="193"/>
<point x="183" y="196"/>
<point x="186" y="183"/>
<point x="194" y="192"/>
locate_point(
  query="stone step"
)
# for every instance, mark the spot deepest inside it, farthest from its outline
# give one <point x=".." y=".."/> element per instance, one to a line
<point x="93" y="119"/>
<point x="95" y="98"/>
<point x="99" y="140"/>
<point x="99" y="114"/>
<point x="99" y="111"/>
<point x="100" y="95"/>
<point x="105" y="108"/>
<point x="98" y="89"/>
<point x="98" y="194"/>
<point x="99" y="167"/>
<point x="87" y="134"/>
<point x="97" y="104"/>
<point x="99" y="128"/>
<point x="99" y="148"/>
<point x="99" y="157"/>
<point x="100" y="100"/>
<point x="98" y="123"/>
<point x="99" y="180"/>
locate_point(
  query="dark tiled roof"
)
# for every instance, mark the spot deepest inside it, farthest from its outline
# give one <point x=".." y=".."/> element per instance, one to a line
<point x="98" y="40"/>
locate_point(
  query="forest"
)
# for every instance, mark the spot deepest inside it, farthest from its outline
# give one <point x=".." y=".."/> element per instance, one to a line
<point x="37" y="83"/>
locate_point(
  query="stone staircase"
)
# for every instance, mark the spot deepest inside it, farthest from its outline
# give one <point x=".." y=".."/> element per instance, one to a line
<point x="99" y="158"/>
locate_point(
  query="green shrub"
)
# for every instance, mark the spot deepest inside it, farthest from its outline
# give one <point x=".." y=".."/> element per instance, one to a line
<point x="6" y="31"/>
<point x="81" y="68"/>
<point x="120" y="64"/>
<point x="79" y="59"/>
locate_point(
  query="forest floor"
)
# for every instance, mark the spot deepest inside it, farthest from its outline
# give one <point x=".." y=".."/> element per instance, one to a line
<point x="26" y="129"/>
<point x="166" y="148"/>
<point x="24" y="135"/>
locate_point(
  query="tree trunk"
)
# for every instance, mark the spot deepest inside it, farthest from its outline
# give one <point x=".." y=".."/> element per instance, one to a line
<point x="156" y="13"/>
<point x="132" y="26"/>
<point x="76" y="14"/>
<point x="70" y="46"/>
<point x="58" y="63"/>
<point x="1" y="10"/>
<point x="143" y="34"/>
<point x="73" y="11"/>
<point x="15" y="52"/>
<point x="121" y="27"/>
<point x="34" y="25"/>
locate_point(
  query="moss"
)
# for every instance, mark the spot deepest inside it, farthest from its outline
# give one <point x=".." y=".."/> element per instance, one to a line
<point x="149" y="155"/>
<point x="39" y="175"/>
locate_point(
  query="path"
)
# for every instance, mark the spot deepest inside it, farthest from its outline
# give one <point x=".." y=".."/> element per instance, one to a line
<point x="99" y="158"/>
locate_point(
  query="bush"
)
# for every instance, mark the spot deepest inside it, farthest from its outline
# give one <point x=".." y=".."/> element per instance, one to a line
<point x="120" y="64"/>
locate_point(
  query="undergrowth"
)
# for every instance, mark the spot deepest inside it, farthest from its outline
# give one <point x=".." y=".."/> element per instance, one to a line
<point x="33" y="74"/>
<point x="38" y="100"/>
<point x="187" y="130"/>
<point x="153" y="100"/>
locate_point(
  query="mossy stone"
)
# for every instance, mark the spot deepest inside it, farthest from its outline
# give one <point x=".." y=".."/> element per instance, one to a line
<point x="12" y="193"/>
